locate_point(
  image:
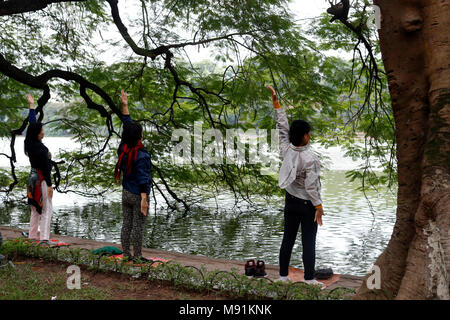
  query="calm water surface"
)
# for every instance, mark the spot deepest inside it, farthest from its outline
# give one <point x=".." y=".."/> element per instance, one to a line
<point x="350" y="240"/>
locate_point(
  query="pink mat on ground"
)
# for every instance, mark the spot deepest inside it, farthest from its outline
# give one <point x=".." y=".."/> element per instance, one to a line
<point x="56" y="241"/>
<point x="296" y="274"/>
<point x="155" y="259"/>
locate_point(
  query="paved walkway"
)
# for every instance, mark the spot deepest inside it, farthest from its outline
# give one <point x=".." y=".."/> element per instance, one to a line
<point x="211" y="264"/>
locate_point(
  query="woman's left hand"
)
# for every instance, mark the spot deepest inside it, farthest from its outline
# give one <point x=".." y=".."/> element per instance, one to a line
<point x="318" y="216"/>
<point x="144" y="205"/>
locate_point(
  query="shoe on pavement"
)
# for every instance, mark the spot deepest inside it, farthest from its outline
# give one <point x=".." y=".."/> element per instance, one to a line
<point x="44" y="242"/>
<point x="140" y="260"/>
<point x="315" y="283"/>
<point x="260" y="269"/>
<point x="250" y="268"/>
<point x="284" y="279"/>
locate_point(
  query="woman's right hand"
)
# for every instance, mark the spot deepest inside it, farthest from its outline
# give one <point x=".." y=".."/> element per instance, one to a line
<point x="276" y="104"/>
<point x="50" y="192"/>
<point x="30" y="100"/>
<point x="274" y="94"/>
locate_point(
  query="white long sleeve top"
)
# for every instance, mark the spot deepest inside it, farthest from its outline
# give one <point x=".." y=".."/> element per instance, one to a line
<point x="300" y="171"/>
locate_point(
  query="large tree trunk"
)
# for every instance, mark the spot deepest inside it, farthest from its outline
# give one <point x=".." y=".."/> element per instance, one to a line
<point x="415" y="44"/>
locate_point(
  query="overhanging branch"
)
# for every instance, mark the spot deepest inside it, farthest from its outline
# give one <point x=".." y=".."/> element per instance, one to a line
<point x="21" y="6"/>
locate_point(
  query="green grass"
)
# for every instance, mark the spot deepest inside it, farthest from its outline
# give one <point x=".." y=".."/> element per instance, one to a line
<point x="23" y="283"/>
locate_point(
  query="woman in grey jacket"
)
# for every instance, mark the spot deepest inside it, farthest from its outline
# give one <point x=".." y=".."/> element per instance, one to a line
<point x="300" y="177"/>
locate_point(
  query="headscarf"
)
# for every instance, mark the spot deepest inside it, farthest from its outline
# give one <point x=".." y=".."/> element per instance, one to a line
<point x="132" y="156"/>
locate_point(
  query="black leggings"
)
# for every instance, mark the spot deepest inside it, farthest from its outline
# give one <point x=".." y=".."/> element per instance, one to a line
<point x="298" y="212"/>
<point x="133" y="223"/>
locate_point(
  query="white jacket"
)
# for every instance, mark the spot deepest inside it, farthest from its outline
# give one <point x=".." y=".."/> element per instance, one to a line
<point x="300" y="171"/>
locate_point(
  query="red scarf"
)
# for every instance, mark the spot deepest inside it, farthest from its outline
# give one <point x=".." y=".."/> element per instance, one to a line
<point x="132" y="155"/>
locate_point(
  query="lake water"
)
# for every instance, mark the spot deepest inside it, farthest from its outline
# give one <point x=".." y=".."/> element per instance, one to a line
<point x="350" y="240"/>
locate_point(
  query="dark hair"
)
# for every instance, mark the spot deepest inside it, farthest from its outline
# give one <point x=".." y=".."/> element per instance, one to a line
<point x="297" y="131"/>
<point x="132" y="133"/>
<point x="32" y="135"/>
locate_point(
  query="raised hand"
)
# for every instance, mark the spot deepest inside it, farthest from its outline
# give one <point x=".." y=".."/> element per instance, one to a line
<point x="30" y="100"/>
<point x="274" y="94"/>
<point x="123" y="98"/>
<point x="124" y="101"/>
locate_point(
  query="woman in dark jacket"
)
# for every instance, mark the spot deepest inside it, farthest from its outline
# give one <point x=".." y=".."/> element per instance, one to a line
<point x="135" y="165"/>
<point x="39" y="187"/>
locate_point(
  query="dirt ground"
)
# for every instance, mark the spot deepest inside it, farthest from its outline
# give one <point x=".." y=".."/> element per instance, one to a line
<point x="119" y="286"/>
<point x="211" y="264"/>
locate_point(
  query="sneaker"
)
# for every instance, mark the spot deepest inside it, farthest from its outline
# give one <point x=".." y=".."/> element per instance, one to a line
<point x="124" y="257"/>
<point x="140" y="260"/>
<point x="24" y="234"/>
<point x="284" y="279"/>
<point x="44" y="242"/>
<point x="250" y="268"/>
<point x="315" y="283"/>
<point x="260" y="269"/>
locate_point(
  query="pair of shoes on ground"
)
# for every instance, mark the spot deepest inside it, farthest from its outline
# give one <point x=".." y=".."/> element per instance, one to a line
<point x="257" y="270"/>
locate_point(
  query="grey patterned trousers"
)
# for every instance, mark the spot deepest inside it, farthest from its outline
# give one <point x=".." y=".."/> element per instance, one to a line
<point x="133" y="223"/>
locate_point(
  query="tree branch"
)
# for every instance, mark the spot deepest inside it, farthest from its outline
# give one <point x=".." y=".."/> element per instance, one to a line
<point x="172" y="194"/>
<point x="22" y="6"/>
<point x="40" y="82"/>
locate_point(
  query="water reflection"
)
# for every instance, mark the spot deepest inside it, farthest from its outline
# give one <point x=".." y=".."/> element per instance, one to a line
<point x="349" y="241"/>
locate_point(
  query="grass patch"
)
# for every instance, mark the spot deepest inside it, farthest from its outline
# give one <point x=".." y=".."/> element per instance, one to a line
<point x="22" y="282"/>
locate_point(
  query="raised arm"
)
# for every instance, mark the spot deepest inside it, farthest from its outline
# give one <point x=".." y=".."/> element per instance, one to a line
<point x="125" y="112"/>
<point x="31" y="113"/>
<point x="282" y="123"/>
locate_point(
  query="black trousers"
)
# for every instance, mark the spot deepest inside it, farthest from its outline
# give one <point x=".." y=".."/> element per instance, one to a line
<point x="299" y="212"/>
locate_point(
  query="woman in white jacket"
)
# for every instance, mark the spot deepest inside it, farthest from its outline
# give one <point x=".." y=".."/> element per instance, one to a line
<point x="300" y="177"/>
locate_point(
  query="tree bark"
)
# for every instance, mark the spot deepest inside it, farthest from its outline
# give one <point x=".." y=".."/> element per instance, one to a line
<point x="415" y="45"/>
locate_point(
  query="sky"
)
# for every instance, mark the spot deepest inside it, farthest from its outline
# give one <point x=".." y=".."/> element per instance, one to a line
<point x="308" y="8"/>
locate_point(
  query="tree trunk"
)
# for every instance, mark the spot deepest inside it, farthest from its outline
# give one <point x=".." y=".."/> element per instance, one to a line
<point x="415" y="45"/>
